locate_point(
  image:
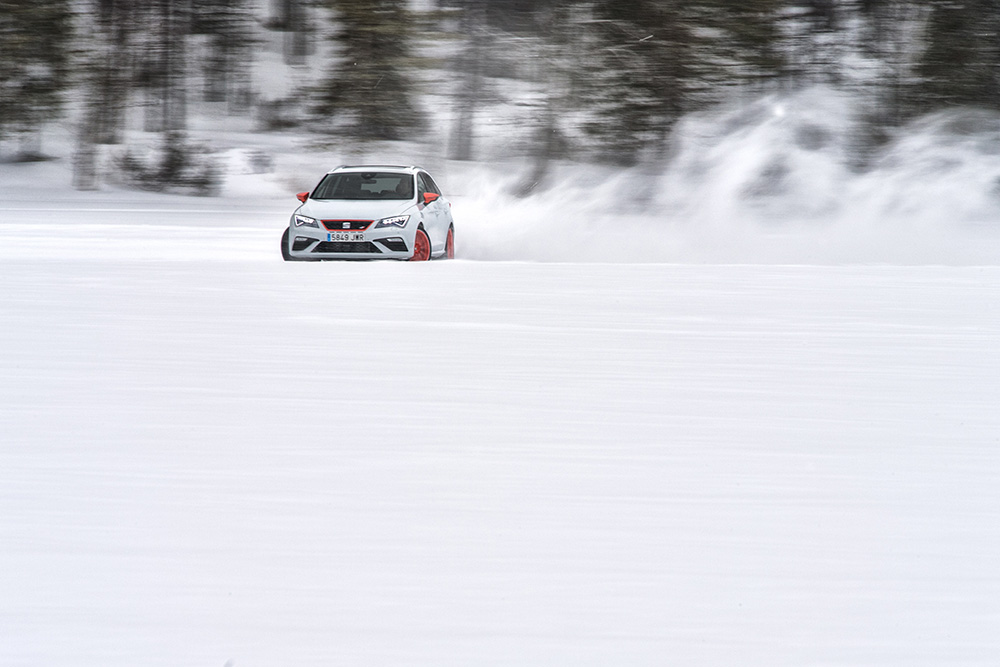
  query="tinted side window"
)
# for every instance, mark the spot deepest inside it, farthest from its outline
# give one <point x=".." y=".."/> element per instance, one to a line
<point x="428" y="183"/>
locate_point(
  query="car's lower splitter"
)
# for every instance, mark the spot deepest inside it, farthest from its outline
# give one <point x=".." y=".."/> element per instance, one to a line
<point x="378" y="247"/>
<point x="345" y="247"/>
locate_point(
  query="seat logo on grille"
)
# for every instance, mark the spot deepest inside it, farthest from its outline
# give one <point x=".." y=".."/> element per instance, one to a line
<point x="347" y="225"/>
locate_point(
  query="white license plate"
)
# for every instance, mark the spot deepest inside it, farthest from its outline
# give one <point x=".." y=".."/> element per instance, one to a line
<point x="345" y="236"/>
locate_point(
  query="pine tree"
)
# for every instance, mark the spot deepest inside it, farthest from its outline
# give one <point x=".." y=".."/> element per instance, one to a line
<point x="295" y="21"/>
<point x="105" y="75"/>
<point x="643" y="76"/>
<point x="35" y="39"/>
<point x="554" y="51"/>
<point x="107" y="66"/>
<point x="229" y="27"/>
<point x="163" y="63"/>
<point x="468" y="69"/>
<point x="891" y="36"/>
<point x="135" y="49"/>
<point x="961" y="64"/>
<point x="745" y="46"/>
<point x="814" y="41"/>
<point x="370" y="86"/>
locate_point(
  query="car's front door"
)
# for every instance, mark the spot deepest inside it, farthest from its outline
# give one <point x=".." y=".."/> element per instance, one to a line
<point x="435" y="218"/>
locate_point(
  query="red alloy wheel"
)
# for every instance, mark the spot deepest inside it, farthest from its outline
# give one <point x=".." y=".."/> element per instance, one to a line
<point x="450" y="245"/>
<point x="421" y="247"/>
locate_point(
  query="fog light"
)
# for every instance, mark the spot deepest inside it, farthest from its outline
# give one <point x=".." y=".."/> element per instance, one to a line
<point x="301" y="243"/>
<point x="394" y="244"/>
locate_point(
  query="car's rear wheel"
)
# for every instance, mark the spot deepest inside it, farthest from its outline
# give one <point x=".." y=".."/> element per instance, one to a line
<point x="421" y="246"/>
<point x="449" y="244"/>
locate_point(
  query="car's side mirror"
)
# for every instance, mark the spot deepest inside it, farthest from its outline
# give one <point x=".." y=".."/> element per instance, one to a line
<point x="303" y="196"/>
<point x="430" y="197"/>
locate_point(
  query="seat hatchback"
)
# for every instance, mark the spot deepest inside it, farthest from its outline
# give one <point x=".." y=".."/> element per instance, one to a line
<point x="371" y="212"/>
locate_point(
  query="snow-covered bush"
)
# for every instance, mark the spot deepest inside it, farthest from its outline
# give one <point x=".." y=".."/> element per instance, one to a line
<point x="179" y="166"/>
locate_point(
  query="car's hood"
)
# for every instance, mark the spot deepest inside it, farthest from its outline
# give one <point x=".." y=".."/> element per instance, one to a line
<point x="344" y="209"/>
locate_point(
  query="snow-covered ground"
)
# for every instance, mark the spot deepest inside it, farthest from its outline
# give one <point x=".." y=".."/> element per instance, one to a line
<point x="742" y="411"/>
<point x="211" y="457"/>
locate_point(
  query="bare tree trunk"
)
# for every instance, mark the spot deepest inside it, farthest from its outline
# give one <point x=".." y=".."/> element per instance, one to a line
<point x="470" y="66"/>
<point x="295" y="20"/>
<point x="547" y="145"/>
<point x="85" y="159"/>
<point x="166" y="90"/>
<point x="106" y="87"/>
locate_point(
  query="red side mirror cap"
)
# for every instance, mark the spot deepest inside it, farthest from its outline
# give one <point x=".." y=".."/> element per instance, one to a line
<point x="303" y="196"/>
<point x="430" y="197"/>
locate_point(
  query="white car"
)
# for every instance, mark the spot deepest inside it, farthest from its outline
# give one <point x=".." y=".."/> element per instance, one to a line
<point x="371" y="212"/>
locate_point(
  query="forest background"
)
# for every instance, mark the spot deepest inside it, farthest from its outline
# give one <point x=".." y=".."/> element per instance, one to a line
<point x="595" y="81"/>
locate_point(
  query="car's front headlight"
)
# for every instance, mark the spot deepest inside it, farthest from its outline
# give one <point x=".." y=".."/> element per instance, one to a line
<point x="304" y="221"/>
<point x="398" y="221"/>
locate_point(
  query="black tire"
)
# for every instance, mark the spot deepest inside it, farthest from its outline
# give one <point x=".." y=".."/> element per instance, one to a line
<point x="285" y="255"/>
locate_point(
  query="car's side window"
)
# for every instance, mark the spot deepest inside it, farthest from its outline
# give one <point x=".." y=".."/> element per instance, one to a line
<point x="431" y="185"/>
<point x="421" y="187"/>
<point x="427" y="184"/>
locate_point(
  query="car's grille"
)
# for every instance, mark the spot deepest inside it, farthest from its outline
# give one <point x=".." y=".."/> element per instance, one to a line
<point x="347" y="247"/>
<point x="394" y="244"/>
<point x="343" y="225"/>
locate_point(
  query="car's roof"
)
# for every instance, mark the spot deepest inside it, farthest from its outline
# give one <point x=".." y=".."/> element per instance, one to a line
<point x="380" y="167"/>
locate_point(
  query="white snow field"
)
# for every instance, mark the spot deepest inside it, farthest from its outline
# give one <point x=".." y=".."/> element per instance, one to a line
<point x="742" y="412"/>
<point x="210" y="457"/>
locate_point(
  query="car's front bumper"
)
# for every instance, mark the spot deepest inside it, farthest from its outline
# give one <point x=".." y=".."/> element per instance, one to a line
<point x="388" y="244"/>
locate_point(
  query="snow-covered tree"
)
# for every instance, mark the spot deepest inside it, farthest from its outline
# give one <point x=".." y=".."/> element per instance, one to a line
<point x="892" y="38"/>
<point x="961" y="64"/>
<point x="163" y="64"/>
<point x="469" y="69"/>
<point x="105" y="76"/>
<point x="640" y="76"/>
<point x="294" y="18"/>
<point x="742" y="45"/>
<point x="35" y="40"/>
<point x="229" y="26"/>
<point x="369" y="88"/>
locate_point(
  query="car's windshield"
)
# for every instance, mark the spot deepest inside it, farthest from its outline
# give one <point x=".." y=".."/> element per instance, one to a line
<point x="365" y="185"/>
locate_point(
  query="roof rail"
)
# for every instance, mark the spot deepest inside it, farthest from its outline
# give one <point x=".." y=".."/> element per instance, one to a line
<point x="388" y="166"/>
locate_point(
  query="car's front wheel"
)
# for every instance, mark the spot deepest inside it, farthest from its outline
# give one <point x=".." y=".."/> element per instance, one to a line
<point x="285" y="255"/>
<point x="421" y="246"/>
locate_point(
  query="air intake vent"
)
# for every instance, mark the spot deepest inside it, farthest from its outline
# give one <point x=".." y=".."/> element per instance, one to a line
<point x="344" y="247"/>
